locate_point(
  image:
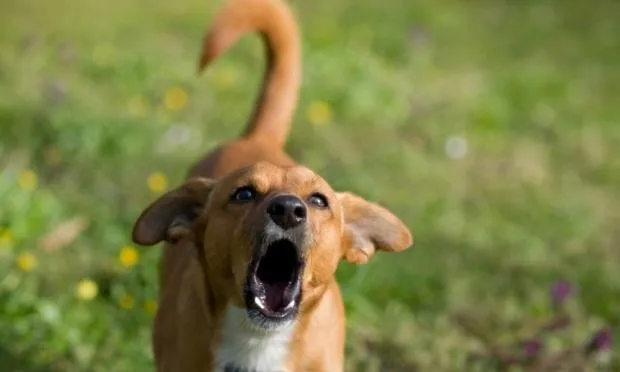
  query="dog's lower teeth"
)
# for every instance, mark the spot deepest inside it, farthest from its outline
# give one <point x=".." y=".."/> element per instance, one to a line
<point x="259" y="303"/>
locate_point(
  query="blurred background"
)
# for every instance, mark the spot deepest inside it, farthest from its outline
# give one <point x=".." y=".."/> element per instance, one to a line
<point x="491" y="127"/>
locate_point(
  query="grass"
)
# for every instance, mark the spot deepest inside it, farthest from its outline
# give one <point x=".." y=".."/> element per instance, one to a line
<point x="490" y="127"/>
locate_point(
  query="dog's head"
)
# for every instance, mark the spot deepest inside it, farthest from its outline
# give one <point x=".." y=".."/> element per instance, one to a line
<point x="272" y="236"/>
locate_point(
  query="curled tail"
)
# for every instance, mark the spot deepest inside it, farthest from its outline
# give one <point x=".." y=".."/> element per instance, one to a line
<point x="274" y="108"/>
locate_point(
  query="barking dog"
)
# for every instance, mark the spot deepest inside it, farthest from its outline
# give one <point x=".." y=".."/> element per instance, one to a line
<point x="252" y="239"/>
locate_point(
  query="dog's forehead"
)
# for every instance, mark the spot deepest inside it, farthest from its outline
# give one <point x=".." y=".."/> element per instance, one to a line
<point x="267" y="176"/>
<point x="300" y="175"/>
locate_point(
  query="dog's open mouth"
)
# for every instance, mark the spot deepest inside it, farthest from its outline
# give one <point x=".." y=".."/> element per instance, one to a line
<point x="275" y="280"/>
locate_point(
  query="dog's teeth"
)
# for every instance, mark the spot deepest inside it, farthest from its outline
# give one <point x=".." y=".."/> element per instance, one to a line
<point x="290" y="305"/>
<point x="259" y="302"/>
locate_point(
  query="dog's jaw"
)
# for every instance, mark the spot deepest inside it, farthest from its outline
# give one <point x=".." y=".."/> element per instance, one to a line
<point x="273" y="283"/>
<point x="246" y="347"/>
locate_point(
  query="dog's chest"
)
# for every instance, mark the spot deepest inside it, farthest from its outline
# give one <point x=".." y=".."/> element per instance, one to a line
<point x="244" y="348"/>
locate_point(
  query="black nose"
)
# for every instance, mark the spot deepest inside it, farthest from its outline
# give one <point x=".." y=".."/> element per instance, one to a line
<point x="287" y="211"/>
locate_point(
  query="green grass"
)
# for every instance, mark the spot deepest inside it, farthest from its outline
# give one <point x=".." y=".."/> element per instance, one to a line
<point x="532" y="86"/>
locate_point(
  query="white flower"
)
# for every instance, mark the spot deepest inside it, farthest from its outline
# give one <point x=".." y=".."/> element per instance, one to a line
<point x="456" y="147"/>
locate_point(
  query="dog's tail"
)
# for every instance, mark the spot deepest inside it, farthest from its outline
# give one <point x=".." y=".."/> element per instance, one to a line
<point x="274" y="108"/>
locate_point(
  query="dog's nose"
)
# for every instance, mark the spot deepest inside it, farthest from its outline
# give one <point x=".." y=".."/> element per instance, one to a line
<point x="287" y="211"/>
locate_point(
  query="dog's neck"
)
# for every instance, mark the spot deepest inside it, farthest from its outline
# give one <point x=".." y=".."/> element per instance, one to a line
<point x="246" y="348"/>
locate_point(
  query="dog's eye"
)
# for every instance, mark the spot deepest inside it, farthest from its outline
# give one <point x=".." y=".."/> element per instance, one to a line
<point x="318" y="200"/>
<point x="244" y="194"/>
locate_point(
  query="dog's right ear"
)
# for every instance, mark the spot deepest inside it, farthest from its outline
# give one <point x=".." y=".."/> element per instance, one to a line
<point x="170" y="217"/>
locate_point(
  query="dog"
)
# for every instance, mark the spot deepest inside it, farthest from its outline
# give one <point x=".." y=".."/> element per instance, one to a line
<point x="253" y="239"/>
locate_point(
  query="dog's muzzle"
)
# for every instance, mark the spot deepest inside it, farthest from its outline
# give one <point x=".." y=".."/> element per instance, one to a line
<point x="273" y="283"/>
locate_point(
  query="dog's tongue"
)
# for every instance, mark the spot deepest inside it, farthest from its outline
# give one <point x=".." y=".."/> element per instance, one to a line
<point x="275" y="296"/>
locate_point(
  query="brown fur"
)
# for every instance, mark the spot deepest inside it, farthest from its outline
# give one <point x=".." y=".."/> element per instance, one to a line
<point x="208" y="240"/>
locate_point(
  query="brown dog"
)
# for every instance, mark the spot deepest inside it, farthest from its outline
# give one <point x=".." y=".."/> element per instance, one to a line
<point x="253" y="240"/>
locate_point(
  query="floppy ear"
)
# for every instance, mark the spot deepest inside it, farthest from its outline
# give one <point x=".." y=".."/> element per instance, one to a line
<point x="369" y="227"/>
<point x="171" y="216"/>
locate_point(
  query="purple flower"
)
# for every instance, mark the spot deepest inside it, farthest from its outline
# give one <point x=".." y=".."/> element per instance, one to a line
<point x="601" y="340"/>
<point x="532" y="347"/>
<point x="559" y="292"/>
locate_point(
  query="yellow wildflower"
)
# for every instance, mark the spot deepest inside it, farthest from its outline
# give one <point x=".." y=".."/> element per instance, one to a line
<point x="137" y="106"/>
<point x="27" y="180"/>
<point x="6" y="237"/>
<point x="129" y="256"/>
<point x="226" y="78"/>
<point x="175" y="98"/>
<point x="86" y="289"/>
<point x="319" y="113"/>
<point x="157" y="182"/>
<point x="126" y="302"/>
<point x="150" y="306"/>
<point x="104" y="54"/>
<point x="26" y="261"/>
<point x="53" y="156"/>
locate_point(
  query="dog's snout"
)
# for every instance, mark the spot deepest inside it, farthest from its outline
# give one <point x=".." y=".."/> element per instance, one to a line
<point x="287" y="211"/>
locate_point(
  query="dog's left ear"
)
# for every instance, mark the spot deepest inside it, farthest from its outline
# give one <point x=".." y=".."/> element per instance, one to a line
<point x="170" y="217"/>
<point x="369" y="227"/>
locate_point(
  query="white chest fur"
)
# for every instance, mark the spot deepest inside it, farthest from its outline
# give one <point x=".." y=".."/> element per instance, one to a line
<point x="249" y="348"/>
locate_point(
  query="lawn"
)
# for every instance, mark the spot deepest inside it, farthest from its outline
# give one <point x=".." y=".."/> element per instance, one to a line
<point x="491" y="127"/>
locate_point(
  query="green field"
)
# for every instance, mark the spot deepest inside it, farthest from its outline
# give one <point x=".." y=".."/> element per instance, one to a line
<point x="491" y="127"/>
